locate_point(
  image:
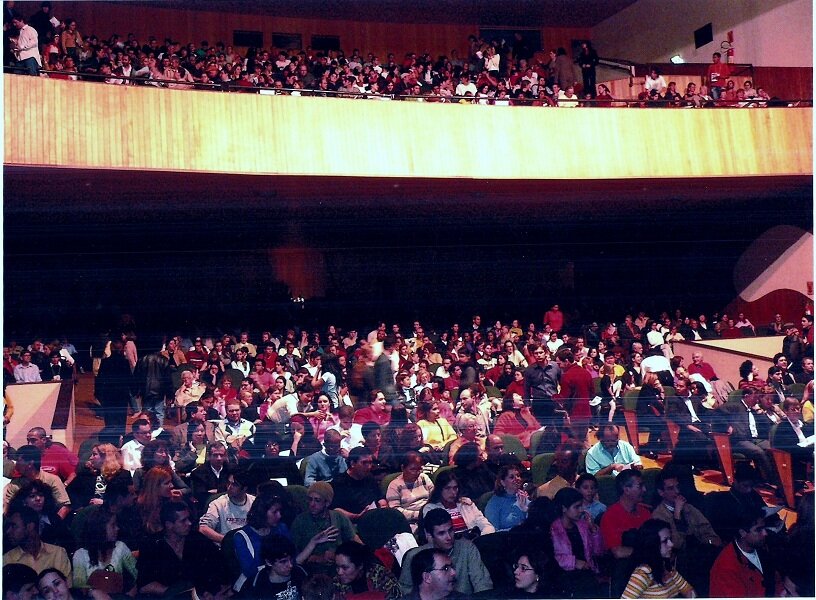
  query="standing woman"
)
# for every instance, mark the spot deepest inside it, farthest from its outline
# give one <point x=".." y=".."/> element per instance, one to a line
<point x="577" y="545"/>
<point x="329" y="379"/>
<point x="508" y="506"/>
<point x="655" y="576"/>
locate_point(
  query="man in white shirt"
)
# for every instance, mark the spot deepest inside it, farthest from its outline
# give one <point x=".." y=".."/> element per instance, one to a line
<point x="132" y="451"/>
<point x="26" y="46"/>
<point x="26" y="371"/>
<point x="466" y="84"/>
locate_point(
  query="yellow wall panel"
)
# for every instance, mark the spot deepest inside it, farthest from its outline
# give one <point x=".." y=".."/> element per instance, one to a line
<point x="134" y="127"/>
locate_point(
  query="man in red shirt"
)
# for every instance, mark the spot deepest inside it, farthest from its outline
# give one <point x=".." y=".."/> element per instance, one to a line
<point x="717" y="75"/>
<point x="625" y="514"/>
<point x="554" y="318"/>
<point x="743" y="570"/>
<point x="703" y="368"/>
<point x="577" y="388"/>
<point x="56" y="458"/>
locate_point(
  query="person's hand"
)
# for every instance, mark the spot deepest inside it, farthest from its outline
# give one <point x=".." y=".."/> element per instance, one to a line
<point x="618" y="467"/>
<point x="694" y="429"/>
<point x="327" y="535"/>
<point x="176" y="494"/>
<point x="580" y="565"/>
<point x="96" y="502"/>
<point x="522" y="500"/>
<point x="679" y="503"/>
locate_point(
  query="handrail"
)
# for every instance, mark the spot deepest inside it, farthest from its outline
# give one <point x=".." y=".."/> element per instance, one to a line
<point x="430" y="98"/>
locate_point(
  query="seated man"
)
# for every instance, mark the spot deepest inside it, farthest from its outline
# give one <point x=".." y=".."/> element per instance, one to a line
<point x="211" y="477"/>
<point x="695" y="446"/>
<point x="320" y="530"/>
<point x="57" y="369"/>
<point x="743" y="569"/>
<point x="326" y="464"/>
<point x="746" y="431"/>
<point x="56" y="458"/>
<point x="19" y="582"/>
<point x="351" y="433"/>
<point x="610" y="455"/>
<point x="29" y="460"/>
<point x="27" y="548"/>
<point x="433" y="575"/>
<point x="695" y="543"/>
<point x="190" y="389"/>
<point x="566" y="468"/>
<point x="625" y="514"/>
<point x="234" y="430"/>
<point x="356" y="491"/>
<point x="132" y="450"/>
<point x="229" y="511"/>
<point x="472" y="576"/>
<point x="790" y="433"/>
<point x="195" y="413"/>
<point x="26" y="371"/>
<point x="280" y="577"/>
<point x="724" y="510"/>
<point x="180" y="559"/>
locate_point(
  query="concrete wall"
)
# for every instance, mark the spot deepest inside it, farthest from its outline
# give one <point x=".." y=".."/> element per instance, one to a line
<point x="34" y="406"/>
<point x="771" y="33"/>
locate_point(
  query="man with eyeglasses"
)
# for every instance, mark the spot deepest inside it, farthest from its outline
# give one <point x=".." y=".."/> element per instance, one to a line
<point x="433" y="576"/>
<point x="132" y="451"/>
<point x="470" y="574"/>
<point x="26" y="371"/>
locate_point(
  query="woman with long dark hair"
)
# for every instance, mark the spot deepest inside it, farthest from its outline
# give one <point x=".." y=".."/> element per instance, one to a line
<point x="330" y="378"/>
<point x="156" y="454"/>
<point x="464" y="513"/>
<point x="516" y="419"/>
<point x="361" y="575"/>
<point x="102" y="551"/>
<point x="655" y="575"/>
<point x="577" y="545"/>
<point x="37" y="496"/>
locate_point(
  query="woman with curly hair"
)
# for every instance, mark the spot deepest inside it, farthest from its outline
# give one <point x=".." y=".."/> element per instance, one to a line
<point x="156" y="454"/>
<point x="37" y="496"/>
<point x="102" y="551"/>
<point x="104" y="463"/>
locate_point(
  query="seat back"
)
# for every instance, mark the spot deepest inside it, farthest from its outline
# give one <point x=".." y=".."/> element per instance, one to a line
<point x="481" y="503"/>
<point x="441" y="469"/>
<point x="722" y="441"/>
<point x="386" y="481"/>
<point x="297" y="498"/>
<point x="797" y="390"/>
<point x="541" y="467"/>
<point x="512" y="445"/>
<point x="674" y="434"/>
<point x="378" y="526"/>
<point x="492" y="391"/>
<point x="632" y="430"/>
<point x="494" y="549"/>
<point x="630" y="399"/>
<point x="650" y="484"/>
<point x="607" y="492"/>
<point x="784" y="468"/>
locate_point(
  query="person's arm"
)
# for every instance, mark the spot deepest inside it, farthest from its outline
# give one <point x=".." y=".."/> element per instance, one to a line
<point x="248" y="563"/>
<point x="209" y="522"/>
<point x="638" y="584"/>
<point x="311" y="471"/>
<point x="327" y="535"/>
<point x="478" y="574"/>
<point x="80" y="573"/>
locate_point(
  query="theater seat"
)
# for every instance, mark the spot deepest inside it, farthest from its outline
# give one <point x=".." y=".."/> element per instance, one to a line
<point x="378" y="526"/>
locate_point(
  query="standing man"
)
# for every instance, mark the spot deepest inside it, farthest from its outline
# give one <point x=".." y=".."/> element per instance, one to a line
<point x="541" y="384"/>
<point x="384" y="373"/>
<point x="26" y="46"/>
<point x="577" y="388"/>
<point x="717" y="76"/>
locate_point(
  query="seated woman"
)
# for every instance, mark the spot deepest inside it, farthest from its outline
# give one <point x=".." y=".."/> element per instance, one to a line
<point x="88" y="487"/>
<point x="464" y="513"/>
<point x="533" y="574"/>
<point x="655" y="577"/>
<point x="577" y="545"/>
<point x="508" y="505"/>
<point x="304" y="441"/>
<point x="193" y="454"/>
<point x="327" y="420"/>
<point x="360" y="575"/>
<point x="468" y="426"/>
<point x="53" y="585"/>
<point x="270" y="464"/>
<point x="156" y="454"/>
<point x="475" y="478"/>
<point x="101" y="551"/>
<point x="39" y="497"/>
<point x="516" y="386"/>
<point x="410" y="490"/>
<point x="406" y="439"/>
<point x="157" y="488"/>
<point x="516" y="419"/>
<point x="749" y="377"/>
<point x="436" y="431"/>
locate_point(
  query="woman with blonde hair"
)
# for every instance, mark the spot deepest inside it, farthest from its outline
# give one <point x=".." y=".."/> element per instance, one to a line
<point x="103" y="464"/>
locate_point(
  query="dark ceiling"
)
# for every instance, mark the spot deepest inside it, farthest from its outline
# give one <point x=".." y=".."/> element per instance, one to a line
<point x="490" y="13"/>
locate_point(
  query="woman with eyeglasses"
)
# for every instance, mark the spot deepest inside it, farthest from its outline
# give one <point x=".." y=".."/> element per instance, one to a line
<point x="655" y="576"/>
<point x="508" y="506"/>
<point x="531" y="575"/>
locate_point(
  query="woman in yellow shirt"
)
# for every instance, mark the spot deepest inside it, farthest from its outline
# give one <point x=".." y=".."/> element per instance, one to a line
<point x="436" y="431"/>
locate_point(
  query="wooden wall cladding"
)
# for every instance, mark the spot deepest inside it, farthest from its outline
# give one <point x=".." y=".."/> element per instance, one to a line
<point x="92" y="125"/>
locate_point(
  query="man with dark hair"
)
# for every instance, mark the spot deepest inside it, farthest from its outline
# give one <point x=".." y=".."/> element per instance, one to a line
<point x="725" y="509"/>
<point x="577" y="389"/>
<point x="27" y="548"/>
<point x="26" y="371"/>
<point x="356" y="491"/>
<point x="132" y="450"/>
<point x="56" y="458"/>
<point x="113" y="386"/>
<point x="384" y="372"/>
<point x="472" y="575"/>
<point x="743" y="569"/>
<point x="211" y="477"/>
<point x="229" y="511"/>
<point x="281" y="576"/>
<point x="196" y="413"/>
<point x="180" y="559"/>
<point x="744" y="430"/>
<point x="57" y="369"/>
<point x="541" y="384"/>
<point x="793" y="346"/>
<point x="29" y="460"/>
<point x="566" y="467"/>
<point x="433" y="575"/>
<point x="25" y="46"/>
<point x="19" y="582"/>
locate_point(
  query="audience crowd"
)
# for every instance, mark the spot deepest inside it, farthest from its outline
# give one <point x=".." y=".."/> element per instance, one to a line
<point x="484" y="460"/>
<point x="502" y="73"/>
